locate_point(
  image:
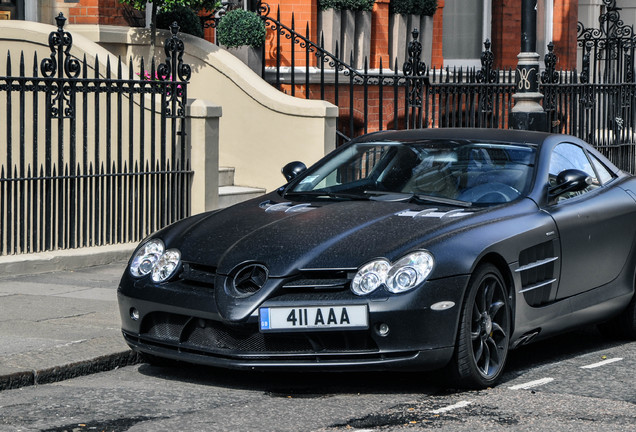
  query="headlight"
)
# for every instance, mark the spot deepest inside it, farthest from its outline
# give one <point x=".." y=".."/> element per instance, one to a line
<point x="407" y="273"/>
<point x="153" y="258"/>
<point x="370" y="277"/>
<point x="167" y="264"/>
<point x="146" y="258"/>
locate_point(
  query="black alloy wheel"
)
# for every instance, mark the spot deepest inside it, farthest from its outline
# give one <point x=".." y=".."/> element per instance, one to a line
<point x="484" y="332"/>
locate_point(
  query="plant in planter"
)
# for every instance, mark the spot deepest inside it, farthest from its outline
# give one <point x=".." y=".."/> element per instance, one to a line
<point x="413" y="7"/>
<point x="187" y="19"/>
<point x="349" y="23"/>
<point x="245" y="31"/>
<point x="239" y="27"/>
<point x="361" y="40"/>
<point x="167" y="5"/>
<point x="329" y="24"/>
<point x="408" y="15"/>
<point x="357" y="5"/>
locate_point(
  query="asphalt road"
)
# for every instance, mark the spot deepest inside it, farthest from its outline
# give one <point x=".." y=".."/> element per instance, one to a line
<point x="578" y="381"/>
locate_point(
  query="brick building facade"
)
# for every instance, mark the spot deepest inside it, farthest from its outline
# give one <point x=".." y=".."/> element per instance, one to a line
<point x="501" y="23"/>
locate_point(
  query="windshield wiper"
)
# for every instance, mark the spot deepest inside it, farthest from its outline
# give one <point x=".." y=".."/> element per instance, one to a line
<point x="442" y="200"/>
<point x="337" y="195"/>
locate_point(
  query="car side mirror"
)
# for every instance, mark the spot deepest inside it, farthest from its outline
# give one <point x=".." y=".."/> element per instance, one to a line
<point x="293" y="169"/>
<point x="571" y="180"/>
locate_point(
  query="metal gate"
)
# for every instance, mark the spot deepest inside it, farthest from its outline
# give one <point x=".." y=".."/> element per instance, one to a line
<point x="89" y="156"/>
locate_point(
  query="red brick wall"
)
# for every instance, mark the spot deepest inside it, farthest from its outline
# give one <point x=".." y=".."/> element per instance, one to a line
<point x="564" y="32"/>
<point x="380" y="35"/>
<point x="109" y="12"/>
<point x="437" y="59"/>
<point x="506" y="32"/>
<point x="305" y="13"/>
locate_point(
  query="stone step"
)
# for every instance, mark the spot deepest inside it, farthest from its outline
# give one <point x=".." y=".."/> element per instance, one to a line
<point x="230" y="195"/>
<point x="226" y="176"/>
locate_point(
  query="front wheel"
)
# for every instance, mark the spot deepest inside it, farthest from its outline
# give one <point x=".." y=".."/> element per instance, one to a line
<point x="484" y="331"/>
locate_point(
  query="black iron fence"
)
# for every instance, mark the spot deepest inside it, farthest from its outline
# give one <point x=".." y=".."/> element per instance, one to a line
<point x="595" y="104"/>
<point x="89" y="156"/>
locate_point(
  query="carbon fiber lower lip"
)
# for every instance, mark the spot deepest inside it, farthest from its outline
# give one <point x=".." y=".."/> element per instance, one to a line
<point x="406" y="360"/>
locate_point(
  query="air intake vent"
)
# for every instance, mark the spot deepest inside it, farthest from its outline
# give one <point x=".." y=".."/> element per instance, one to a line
<point x="537" y="269"/>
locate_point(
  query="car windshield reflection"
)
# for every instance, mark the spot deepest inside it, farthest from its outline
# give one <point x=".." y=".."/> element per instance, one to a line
<point x="444" y="171"/>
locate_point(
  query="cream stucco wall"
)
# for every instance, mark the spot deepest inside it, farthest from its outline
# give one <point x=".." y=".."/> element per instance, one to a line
<point x="261" y="128"/>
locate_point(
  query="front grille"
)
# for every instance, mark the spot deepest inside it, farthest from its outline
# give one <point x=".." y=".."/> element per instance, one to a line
<point x="246" y="338"/>
<point x="198" y="275"/>
<point x="221" y="338"/>
<point x="320" y="280"/>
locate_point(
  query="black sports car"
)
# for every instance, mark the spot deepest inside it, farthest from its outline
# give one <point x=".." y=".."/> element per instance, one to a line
<point x="416" y="250"/>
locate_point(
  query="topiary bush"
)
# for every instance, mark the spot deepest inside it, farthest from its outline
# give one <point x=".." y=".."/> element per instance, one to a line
<point x="239" y="27"/>
<point x="187" y="19"/>
<point x="413" y="7"/>
<point x="428" y="7"/>
<point x="354" y="5"/>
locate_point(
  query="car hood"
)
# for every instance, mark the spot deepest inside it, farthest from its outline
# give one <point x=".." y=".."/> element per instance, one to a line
<point x="268" y="241"/>
<point x="287" y="237"/>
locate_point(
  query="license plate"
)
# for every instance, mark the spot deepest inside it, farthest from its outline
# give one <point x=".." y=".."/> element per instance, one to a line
<point x="313" y="318"/>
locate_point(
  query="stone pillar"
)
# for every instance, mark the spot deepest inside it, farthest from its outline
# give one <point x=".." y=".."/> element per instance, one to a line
<point x="203" y="136"/>
<point x="528" y="114"/>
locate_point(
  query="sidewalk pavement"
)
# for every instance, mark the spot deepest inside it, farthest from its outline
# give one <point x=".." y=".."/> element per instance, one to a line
<point x="60" y="325"/>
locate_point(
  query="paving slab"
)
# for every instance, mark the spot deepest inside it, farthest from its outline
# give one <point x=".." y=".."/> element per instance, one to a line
<point x="60" y="324"/>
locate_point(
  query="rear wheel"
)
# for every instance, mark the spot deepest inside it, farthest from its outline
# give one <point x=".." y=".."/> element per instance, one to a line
<point x="484" y="331"/>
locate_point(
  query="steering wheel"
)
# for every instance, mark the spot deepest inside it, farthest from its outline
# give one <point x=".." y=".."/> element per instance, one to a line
<point x="490" y="193"/>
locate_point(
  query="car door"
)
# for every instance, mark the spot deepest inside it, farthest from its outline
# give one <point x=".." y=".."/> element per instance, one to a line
<point x="595" y="226"/>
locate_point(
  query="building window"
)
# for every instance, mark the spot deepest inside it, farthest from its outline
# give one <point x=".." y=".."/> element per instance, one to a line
<point x="11" y="9"/>
<point x="467" y="24"/>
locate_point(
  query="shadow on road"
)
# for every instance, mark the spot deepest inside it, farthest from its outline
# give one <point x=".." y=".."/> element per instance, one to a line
<point x="325" y="384"/>
<point x="556" y="349"/>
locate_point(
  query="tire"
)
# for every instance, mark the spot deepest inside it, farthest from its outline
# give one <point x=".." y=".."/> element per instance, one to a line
<point x="483" y="337"/>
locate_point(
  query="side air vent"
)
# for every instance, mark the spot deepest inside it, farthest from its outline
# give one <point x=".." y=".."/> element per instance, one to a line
<point x="537" y="267"/>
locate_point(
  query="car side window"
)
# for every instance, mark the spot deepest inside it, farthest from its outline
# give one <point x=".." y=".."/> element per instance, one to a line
<point x="569" y="156"/>
<point x="604" y="174"/>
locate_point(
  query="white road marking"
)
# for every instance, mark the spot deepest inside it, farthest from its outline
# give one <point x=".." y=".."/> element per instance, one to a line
<point x="461" y="404"/>
<point x="531" y="384"/>
<point x="602" y="363"/>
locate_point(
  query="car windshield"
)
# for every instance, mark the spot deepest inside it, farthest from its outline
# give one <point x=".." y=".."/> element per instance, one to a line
<point x="446" y="171"/>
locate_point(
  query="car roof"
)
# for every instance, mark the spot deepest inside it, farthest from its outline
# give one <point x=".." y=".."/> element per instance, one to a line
<point x="507" y="135"/>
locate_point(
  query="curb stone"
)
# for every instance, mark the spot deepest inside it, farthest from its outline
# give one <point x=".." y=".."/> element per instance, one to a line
<point x="68" y="371"/>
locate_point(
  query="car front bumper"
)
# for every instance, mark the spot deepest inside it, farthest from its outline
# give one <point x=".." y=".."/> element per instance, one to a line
<point x="181" y="323"/>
